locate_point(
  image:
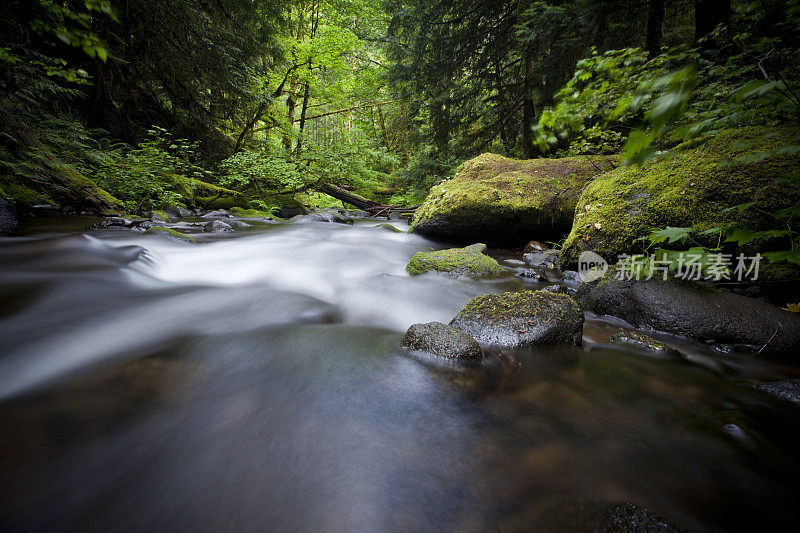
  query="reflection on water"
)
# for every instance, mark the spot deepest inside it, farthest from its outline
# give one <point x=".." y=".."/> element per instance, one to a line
<point x="256" y="383"/>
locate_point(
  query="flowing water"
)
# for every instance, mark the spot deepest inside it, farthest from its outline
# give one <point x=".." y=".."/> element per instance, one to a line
<point x="256" y="382"/>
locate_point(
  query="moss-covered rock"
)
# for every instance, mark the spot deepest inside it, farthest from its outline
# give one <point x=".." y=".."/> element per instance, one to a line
<point x="442" y="340"/>
<point x="639" y="340"/>
<point x="170" y="234"/>
<point x="505" y="202"/>
<point x="455" y="262"/>
<point x="389" y="227"/>
<point x="691" y="188"/>
<point x="517" y="319"/>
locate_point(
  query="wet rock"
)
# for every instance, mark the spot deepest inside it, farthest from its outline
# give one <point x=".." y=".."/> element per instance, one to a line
<point x="9" y="223"/>
<point x="639" y="340"/>
<point x="557" y="289"/>
<point x="442" y="340"/>
<point x="455" y="262"/>
<point x="236" y="224"/>
<point x="357" y="213"/>
<point x="218" y="213"/>
<point x="545" y="259"/>
<point x="529" y="274"/>
<point x="174" y="212"/>
<point x="117" y="221"/>
<point x="217" y="226"/>
<point x="570" y="277"/>
<point x="322" y="216"/>
<point x="788" y="390"/>
<point x="694" y="310"/>
<point x="289" y="212"/>
<point x="535" y="246"/>
<point x="517" y="319"/>
<point x="170" y="233"/>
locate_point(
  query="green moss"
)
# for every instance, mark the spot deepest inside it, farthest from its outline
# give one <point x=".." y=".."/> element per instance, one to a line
<point x="170" y="233"/>
<point x="494" y="192"/>
<point x="455" y="262"/>
<point x="509" y="305"/>
<point x="631" y="338"/>
<point x="691" y="188"/>
<point x="389" y="227"/>
<point x="24" y="195"/>
<point x="162" y="215"/>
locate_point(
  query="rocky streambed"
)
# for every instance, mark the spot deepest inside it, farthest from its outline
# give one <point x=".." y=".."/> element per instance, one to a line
<point x="259" y="377"/>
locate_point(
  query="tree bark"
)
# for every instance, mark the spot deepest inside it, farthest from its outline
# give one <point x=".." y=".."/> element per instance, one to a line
<point x="528" y="105"/>
<point x="655" y="27"/>
<point x="347" y="196"/>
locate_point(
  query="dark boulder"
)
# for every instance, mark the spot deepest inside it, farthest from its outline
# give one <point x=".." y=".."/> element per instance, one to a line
<point x="9" y="223"/>
<point x="442" y="340"/>
<point x="217" y="226"/>
<point x="694" y="310"/>
<point x="289" y="212"/>
<point x="542" y="259"/>
<point x="517" y="319"/>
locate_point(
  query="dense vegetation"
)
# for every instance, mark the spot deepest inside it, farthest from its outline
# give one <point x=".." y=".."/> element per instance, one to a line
<point x="253" y="103"/>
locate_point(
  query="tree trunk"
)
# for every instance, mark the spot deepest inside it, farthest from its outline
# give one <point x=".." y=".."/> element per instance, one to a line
<point x="303" y="119"/>
<point x="708" y="14"/>
<point x="655" y="27"/>
<point x="347" y="196"/>
<point x="528" y="105"/>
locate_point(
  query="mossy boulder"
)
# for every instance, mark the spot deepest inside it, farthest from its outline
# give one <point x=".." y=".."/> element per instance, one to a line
<point x="170" y="234"/>
<point x="692" y="187"/>
<point x="519" y="319"/>
<point x="506" y="202"/>
<point x="443" y="341"/>
<point x="694" y="310"/>
<point x="455" y="262"/>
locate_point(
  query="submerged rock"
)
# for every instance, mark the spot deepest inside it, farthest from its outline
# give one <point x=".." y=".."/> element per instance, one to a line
<point x="694" y="310"/>
<point x="690" y="188"/>
<point x="389" y="227"/>
<point x="504" y="201"/>
<point x="455" y="262"/>
<point x="9" y="223"/>
<point x="517" y="319"/>
<point x="639" y="340"/>
<point x="442" y="340"/>
<point x="170" y="234"/>
<point x="218" y="226"/>
<point x="788" y="389"/>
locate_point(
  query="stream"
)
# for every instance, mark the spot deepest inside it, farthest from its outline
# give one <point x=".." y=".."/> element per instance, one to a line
<point x="255" y="381"/>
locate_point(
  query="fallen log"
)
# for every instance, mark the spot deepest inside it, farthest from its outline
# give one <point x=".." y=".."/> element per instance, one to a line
<point x="372" y="207"/>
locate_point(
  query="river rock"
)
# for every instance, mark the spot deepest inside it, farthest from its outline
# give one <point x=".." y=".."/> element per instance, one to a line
<point x="690" y="188"/>
<point x="503" y="201"/>
<point x="237" y="224"/>
<point x="543" y="259"/>
<point x="455" y="262"/>
<point x="518" y="319"/>
<point x="529" y="274"/>
<point x="175" y="212"/>
<point x="788" y="389"/>
<point x="694" y="310"/>
<point x="169" y="233"/>
<point x="219" y="213"/>
<point x="322" y="216"/>
<point x="217" y="226"/>
<point x="639" y="340"/>
<point x="289" y="212"/>
<point x="9" y="223"/>
<point x="442" y="340"/>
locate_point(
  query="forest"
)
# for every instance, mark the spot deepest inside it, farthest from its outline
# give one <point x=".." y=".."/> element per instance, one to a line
<point x="399" y="265"/>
